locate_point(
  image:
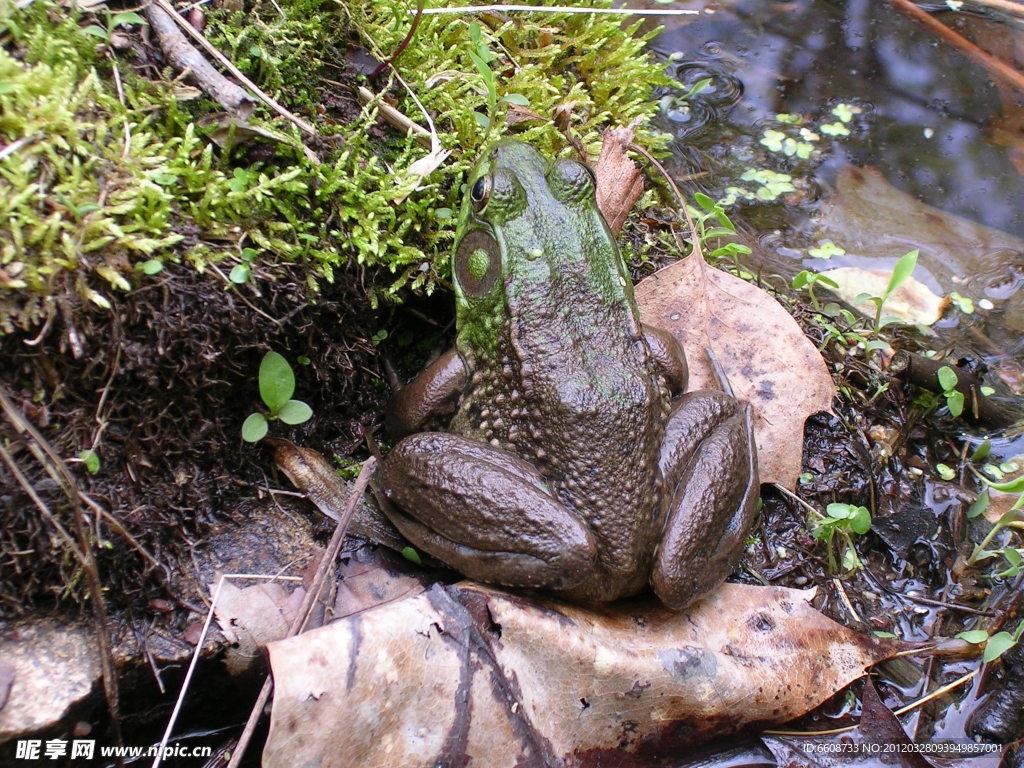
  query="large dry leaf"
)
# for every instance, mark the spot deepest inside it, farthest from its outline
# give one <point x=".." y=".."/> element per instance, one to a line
<point x="766" y="357"/>
<point x="468" y="675"/>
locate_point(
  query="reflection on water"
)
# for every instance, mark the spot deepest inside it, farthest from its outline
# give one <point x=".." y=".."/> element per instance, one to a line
<point x="930" y="111"/>
<point x="922" y="115"/>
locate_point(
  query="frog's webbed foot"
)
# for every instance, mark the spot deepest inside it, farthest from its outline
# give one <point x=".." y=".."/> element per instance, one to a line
<point x="485" y="512"/>
<point x="708" y="456"/>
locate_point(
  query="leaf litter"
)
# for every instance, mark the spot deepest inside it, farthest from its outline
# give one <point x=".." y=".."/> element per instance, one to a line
<point x="484" y="675"/>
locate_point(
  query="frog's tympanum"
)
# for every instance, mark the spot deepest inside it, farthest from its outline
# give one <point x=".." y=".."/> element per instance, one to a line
<point x="570" y="462"/>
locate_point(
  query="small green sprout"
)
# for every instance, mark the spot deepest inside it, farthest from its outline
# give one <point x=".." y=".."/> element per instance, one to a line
<point x="1016" y="486"/>
<point x="712" y="212"/>
<point x="954" y="398"/>
<point x="995" y="645"/>
<point x="113" y="21"/>
<point x="91" y="460"/>
<point x="900" y="274"/>
<point x="807" y="279"/>
<point x="963" y="303"/>
<point x="844" y="521"/>
<point x="277" y="385"/>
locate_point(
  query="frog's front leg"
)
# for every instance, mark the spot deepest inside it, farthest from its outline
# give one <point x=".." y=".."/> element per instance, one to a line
<point x="431" y="395"/>
<point x="485" y="512"/>
<point x="708" y="456"/>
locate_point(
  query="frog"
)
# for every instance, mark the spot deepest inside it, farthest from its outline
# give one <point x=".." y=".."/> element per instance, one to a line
<point x="555" y="447"/>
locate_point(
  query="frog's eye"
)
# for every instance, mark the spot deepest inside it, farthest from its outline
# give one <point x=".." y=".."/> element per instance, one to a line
<point x="572" y="182"/>
<point x="477" y="263"/>
<point x="480" y="192"/>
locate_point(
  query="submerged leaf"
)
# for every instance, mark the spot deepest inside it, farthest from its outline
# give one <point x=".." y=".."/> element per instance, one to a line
<point x="911" y="302"/>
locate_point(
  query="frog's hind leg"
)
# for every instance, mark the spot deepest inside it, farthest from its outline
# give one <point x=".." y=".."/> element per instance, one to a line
<point x="708" y="457"/>
<point x="485" y="512"/>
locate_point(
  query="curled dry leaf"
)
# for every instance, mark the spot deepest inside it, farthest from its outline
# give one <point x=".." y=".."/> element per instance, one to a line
<point x="472" y="676"/>
<point x="912" y="302"/>
<point x="766" y="357"/>
<point x="619" y="183"/>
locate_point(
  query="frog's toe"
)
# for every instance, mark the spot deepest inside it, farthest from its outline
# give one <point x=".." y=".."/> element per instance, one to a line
<point x="485" y="512"/>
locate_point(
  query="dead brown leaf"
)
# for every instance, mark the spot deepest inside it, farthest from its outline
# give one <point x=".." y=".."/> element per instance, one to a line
<point x="473" y="676"/>
<point x="619" y="183"/>
<point x="766" y="357"/>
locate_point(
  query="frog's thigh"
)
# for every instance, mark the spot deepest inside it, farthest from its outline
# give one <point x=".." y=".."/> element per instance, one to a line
<point x="485" y="512"/>
<point x="709" y="455"/>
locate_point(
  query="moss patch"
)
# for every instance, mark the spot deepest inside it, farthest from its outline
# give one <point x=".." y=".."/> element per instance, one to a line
<point x="94" y="182"/>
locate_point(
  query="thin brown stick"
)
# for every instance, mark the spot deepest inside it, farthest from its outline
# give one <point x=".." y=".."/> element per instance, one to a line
<point x="184" y="56"/>
<point x="309" y="601"/>
<point x="990" y="63"/>
<point x="230" y="67"/>
<point x="84" y="554"/>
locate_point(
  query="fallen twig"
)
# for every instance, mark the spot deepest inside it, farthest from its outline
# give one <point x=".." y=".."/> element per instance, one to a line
<point x="396" y="118"/>
<point x="990" y="63"/>
<point x="184" y="56"/>
<point x="924" y="372"/>
<point x="230" y="67"/>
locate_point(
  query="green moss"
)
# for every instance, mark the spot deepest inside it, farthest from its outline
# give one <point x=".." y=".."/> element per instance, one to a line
<point x="93" y="183"/>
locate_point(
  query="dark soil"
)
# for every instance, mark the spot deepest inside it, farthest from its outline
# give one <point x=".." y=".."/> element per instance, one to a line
<point x="165" y="380"/>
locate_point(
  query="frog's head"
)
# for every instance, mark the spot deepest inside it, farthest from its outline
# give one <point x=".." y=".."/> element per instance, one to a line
<point x="532" y="245"/>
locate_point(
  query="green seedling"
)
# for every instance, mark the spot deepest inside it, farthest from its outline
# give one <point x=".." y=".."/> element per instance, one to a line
<point x="277" y="385"/>
<point x="900" y="274"/>
<point x="808" y="279"/>
<point x="948" y="381"/>
<point x="91" y="460"/>
<point x="842" y="521"/>
<point x="710" y="221"/>
<point x="1012" y="514"/>
<point x="995" y="645"/>
<point x="113" y="21"/>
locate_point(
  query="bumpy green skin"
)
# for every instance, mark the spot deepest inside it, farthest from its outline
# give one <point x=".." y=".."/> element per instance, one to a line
<point x="555" y="471"/>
